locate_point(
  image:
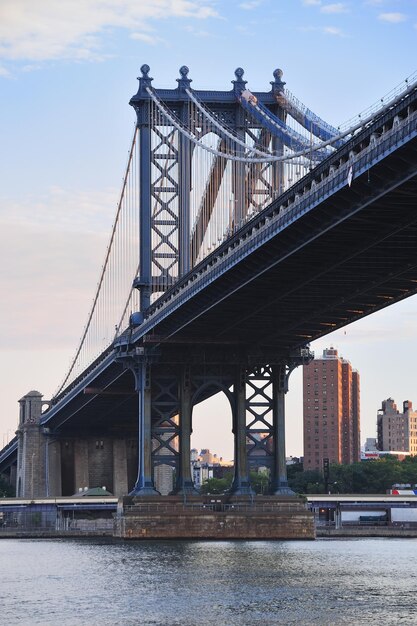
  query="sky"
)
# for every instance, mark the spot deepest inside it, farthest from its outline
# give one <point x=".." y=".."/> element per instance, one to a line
<point x="67" y="72"/>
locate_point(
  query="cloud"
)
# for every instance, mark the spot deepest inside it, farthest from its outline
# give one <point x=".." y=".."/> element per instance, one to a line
<point x="333" y="30"/>
<point x="337" y="7"/>
<point x="31" y="67"/>
<point x="249" y="6"/>
<point x="74" y="29"/>
<point x="328" y="9"/>
<point x="392" y="18"/>
<point x="326" y="30"/>
<point x="198" y="32"/>
<point x="149" y="39"/>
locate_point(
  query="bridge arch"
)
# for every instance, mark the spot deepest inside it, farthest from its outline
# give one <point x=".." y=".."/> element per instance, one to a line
<point x="219" y="386"/>
<point x="213" y="412"/>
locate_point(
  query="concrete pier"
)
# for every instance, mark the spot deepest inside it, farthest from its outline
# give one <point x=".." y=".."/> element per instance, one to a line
<point x="214" y="517"/>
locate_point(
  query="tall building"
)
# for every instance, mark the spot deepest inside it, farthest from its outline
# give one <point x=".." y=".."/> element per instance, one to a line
<point x="397" y="431"/>
<point x="331" y="411"/>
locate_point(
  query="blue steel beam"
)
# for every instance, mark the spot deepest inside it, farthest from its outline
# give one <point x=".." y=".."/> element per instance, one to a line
<point x="290" y="138"/>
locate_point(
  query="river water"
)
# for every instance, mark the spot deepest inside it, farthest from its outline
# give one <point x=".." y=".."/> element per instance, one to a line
<point x="187" y="583"/>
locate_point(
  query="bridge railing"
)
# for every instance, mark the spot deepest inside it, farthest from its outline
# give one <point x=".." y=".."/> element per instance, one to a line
<point x="253" y="505"/>
<point x="20" y="523"/>
<point x="377" y="107"/>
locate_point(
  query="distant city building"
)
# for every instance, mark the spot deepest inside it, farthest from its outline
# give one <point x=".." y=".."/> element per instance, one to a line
<point x="293" y="460"/>
<point x="371" y="444"/>
<point x="397" y="431"/>
<point x="331" y="411"/>
<point x="206" y="456"/>
<point x="200" y="473"/>
<point x="205" y="465"/>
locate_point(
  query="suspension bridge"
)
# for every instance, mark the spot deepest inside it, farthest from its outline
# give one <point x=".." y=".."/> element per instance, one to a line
<point x="247" y="227"/>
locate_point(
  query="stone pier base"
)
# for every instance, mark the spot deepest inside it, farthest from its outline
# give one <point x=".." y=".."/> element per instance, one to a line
<point x="214" y="517"/>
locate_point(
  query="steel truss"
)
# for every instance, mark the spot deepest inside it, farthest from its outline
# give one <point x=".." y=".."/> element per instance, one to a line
<point x="170" y="383"/>
<point x="171" y="239"/>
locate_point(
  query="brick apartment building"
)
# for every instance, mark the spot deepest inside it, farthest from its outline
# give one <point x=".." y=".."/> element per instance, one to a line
<point x="397" y="431"/>
<point x="331" y="411"/>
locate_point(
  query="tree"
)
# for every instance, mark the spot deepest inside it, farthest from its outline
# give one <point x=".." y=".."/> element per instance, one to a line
<point x="310" y="481"/>
<point x="259" y="481"/>
<point x="376" y="476"/>
<point x="216" y="485"/>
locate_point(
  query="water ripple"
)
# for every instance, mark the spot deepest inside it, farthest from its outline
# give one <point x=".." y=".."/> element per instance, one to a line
<point x="326" y="582"/>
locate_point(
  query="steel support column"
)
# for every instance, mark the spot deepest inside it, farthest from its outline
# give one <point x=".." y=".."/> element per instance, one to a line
<point x="144" y="485"/>
<point x="279" y="482"/>
<point x="240" y="207"/>
<point x="184" y="181"/>
<point x="144" y="281"/>
<point x="241" y="482"/>
<point x="145" y="245"/>
<point x="278" y="176"/>
<point x="185" y="482"/>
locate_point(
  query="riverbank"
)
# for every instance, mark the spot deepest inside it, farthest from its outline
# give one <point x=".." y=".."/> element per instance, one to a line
<point x="54" y="534"/>
<point x="321" y="532"/>
<point x="368" y="531"/>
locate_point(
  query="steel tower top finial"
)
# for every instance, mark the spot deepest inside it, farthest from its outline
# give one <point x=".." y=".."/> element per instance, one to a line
<point x="145" y="80"/>
<point x="239" y="83"/>
<point x="184" y="82"/>
<point x="277" y="84"/>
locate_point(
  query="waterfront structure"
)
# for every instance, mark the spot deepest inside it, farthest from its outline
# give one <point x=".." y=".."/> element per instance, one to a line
<point x="331" y="411"/>
<point x="243" y="225"/>
<point x="397" y="509"/>
<point x="379" y="454"/>
<point x="397" y="431"/>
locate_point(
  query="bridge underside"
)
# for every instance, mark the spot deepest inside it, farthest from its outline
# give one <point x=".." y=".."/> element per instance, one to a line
<point x="351" y="255"/>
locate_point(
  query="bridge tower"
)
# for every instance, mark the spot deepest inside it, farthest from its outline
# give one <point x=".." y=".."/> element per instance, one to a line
<point x="174" y="222"/>
<point x="176" y="230"/>
<point x="32" y="448"/>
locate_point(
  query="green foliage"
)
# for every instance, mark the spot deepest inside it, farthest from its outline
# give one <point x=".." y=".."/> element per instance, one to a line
<point x="218" y="485"/>
<point x="376" y="476"/>
<point x="259" y="481"/>
<point x="366" y="477"/>
<point x="310" y="481"/>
